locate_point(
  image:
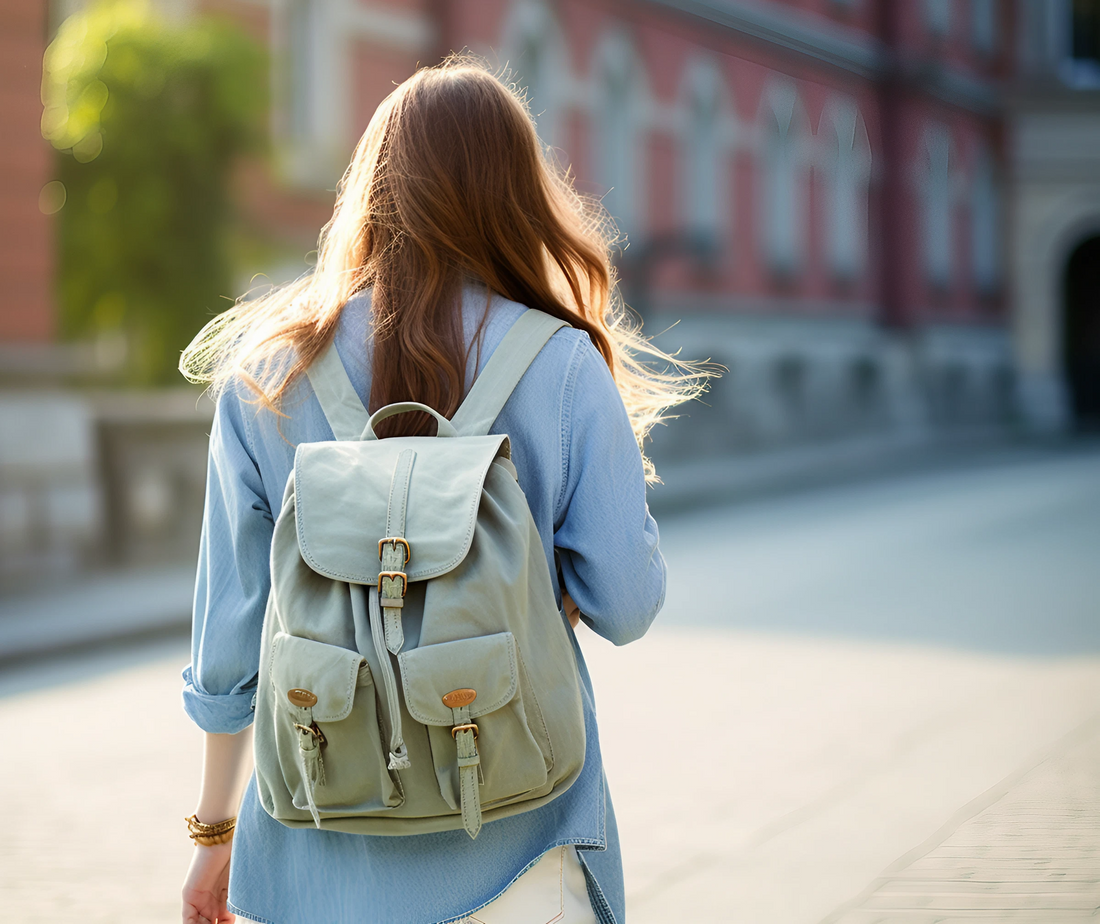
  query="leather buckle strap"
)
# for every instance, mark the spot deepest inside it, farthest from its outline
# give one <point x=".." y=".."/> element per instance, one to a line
<point x="395" y="576"/>
<point x="394" y="551"/>
<point x="464" y="733"/>
<point x="310" y="741"/>
<point x="394" y="542"/>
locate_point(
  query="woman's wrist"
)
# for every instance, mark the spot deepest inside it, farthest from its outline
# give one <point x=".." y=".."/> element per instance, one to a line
<point x="213" y="812"/>
<point x="211" y="834"/>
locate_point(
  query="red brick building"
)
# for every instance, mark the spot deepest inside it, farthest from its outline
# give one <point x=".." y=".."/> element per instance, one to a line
<point x="820" y="189"/>
<point x="814" y="142"/>
<point x="814" y="187"/>
<point x="26" y="253"/>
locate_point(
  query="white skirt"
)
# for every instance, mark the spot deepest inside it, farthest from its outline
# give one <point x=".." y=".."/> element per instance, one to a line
<point x="553" y="891"/>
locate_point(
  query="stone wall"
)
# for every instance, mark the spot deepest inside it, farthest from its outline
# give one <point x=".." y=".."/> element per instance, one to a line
<point x="98" y="480"/>
<point x="806" y="381"/>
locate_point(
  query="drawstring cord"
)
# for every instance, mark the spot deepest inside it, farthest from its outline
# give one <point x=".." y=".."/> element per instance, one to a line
<point x="399" y="755"/>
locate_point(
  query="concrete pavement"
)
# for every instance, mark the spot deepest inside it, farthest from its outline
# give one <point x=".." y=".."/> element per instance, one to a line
<point x="869" y="704"/>
<point x="812" y="766"/>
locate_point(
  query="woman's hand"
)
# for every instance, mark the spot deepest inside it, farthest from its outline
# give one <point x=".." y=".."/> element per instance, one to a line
<point x="206" y="887"/>
<point x="571" y="609"/>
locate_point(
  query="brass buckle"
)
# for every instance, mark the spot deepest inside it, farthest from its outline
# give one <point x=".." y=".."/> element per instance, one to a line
<point x="396" y="541"/>
<point x="470" y="727"/>
<point x="313" y="730"/>
<point x="393" y="576"/>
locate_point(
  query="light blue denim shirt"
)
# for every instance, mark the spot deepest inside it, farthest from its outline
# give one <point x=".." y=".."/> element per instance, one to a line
<point x="581" y="471"/>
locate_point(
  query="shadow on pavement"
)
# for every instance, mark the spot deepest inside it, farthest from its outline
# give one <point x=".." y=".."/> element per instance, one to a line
<point x="1002" y="557"/>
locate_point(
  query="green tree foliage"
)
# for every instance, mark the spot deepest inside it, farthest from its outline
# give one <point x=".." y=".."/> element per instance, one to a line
<point x="149" y="118"/>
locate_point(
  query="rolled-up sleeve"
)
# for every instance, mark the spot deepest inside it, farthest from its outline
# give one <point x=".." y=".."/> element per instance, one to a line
<point x="233" y="579"/>
<point x="606" y="540"/>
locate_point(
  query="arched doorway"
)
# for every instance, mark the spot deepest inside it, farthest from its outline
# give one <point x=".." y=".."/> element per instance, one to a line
<point x="1081" y="331"/>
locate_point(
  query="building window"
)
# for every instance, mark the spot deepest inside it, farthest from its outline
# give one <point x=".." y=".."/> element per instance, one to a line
<point x="312" y="87"/>
<point x="1085" y="44"/>
<point x="532" y="65"/>
<point x="985" y="225"/>
<point x="615" y="117"/>
<point x="704" y="199"/>
<point x="783" y="187"/>
<point x="937" y="17"/>
<point x="848" y="169"/>
<point x="935" y="190"/>
<point x="301" y="70"/>
<point x="983" y="25"/>
<point x="533" y="50"/>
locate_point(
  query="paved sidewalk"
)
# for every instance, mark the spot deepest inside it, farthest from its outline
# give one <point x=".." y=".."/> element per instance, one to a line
<point x="1029" y="853"/>
<point x="875" y="704"/>
<point x="794" y="771"/>
<point x="785" y="776"/>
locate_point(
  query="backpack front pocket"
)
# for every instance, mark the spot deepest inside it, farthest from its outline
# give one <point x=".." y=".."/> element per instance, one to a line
<point x="326" y="729"/>
<point x="472" y="687"/>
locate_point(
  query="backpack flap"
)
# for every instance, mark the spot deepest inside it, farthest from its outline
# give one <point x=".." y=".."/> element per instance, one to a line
<point x="342" y="499"/>
<point x="314" y="676"/>
<point x="485" y="667"/>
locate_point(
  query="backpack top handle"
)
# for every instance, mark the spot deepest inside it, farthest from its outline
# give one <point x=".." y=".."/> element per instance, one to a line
<point x="446" y="428"/>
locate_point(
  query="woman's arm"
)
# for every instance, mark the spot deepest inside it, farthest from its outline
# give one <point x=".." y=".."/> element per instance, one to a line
<point x="226" y="766"/>
<point x="607" y="543"/>
<point x="231" y="589"/>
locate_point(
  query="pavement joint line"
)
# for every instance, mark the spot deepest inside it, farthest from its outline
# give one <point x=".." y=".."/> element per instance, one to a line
<point x="971" y="810"/>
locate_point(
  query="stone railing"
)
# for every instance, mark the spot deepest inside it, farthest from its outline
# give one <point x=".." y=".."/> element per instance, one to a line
<point x="98" y="479"/>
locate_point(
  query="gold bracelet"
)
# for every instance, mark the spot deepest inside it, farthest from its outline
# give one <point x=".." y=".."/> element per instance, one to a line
<point x="211" y="835"/>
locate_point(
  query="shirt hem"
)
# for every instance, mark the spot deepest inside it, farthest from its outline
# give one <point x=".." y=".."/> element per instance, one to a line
<point x="605" y="914"/>
<point x="248" y="915"/>
<point x="603" y="910"/>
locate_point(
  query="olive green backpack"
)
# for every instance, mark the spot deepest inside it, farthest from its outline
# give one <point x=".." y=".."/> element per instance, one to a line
<point x="415" y="673"/>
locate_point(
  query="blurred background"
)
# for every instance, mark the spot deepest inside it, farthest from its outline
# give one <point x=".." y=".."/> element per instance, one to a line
<point x="882" y="216"/>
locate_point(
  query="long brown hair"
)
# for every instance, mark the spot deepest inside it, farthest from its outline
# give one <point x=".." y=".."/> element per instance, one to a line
<point x="448" y="183"/>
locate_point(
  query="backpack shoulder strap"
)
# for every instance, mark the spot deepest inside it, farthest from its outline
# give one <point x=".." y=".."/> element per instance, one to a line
<point x="339" y="402"/>
<point x="501" y="374"/>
